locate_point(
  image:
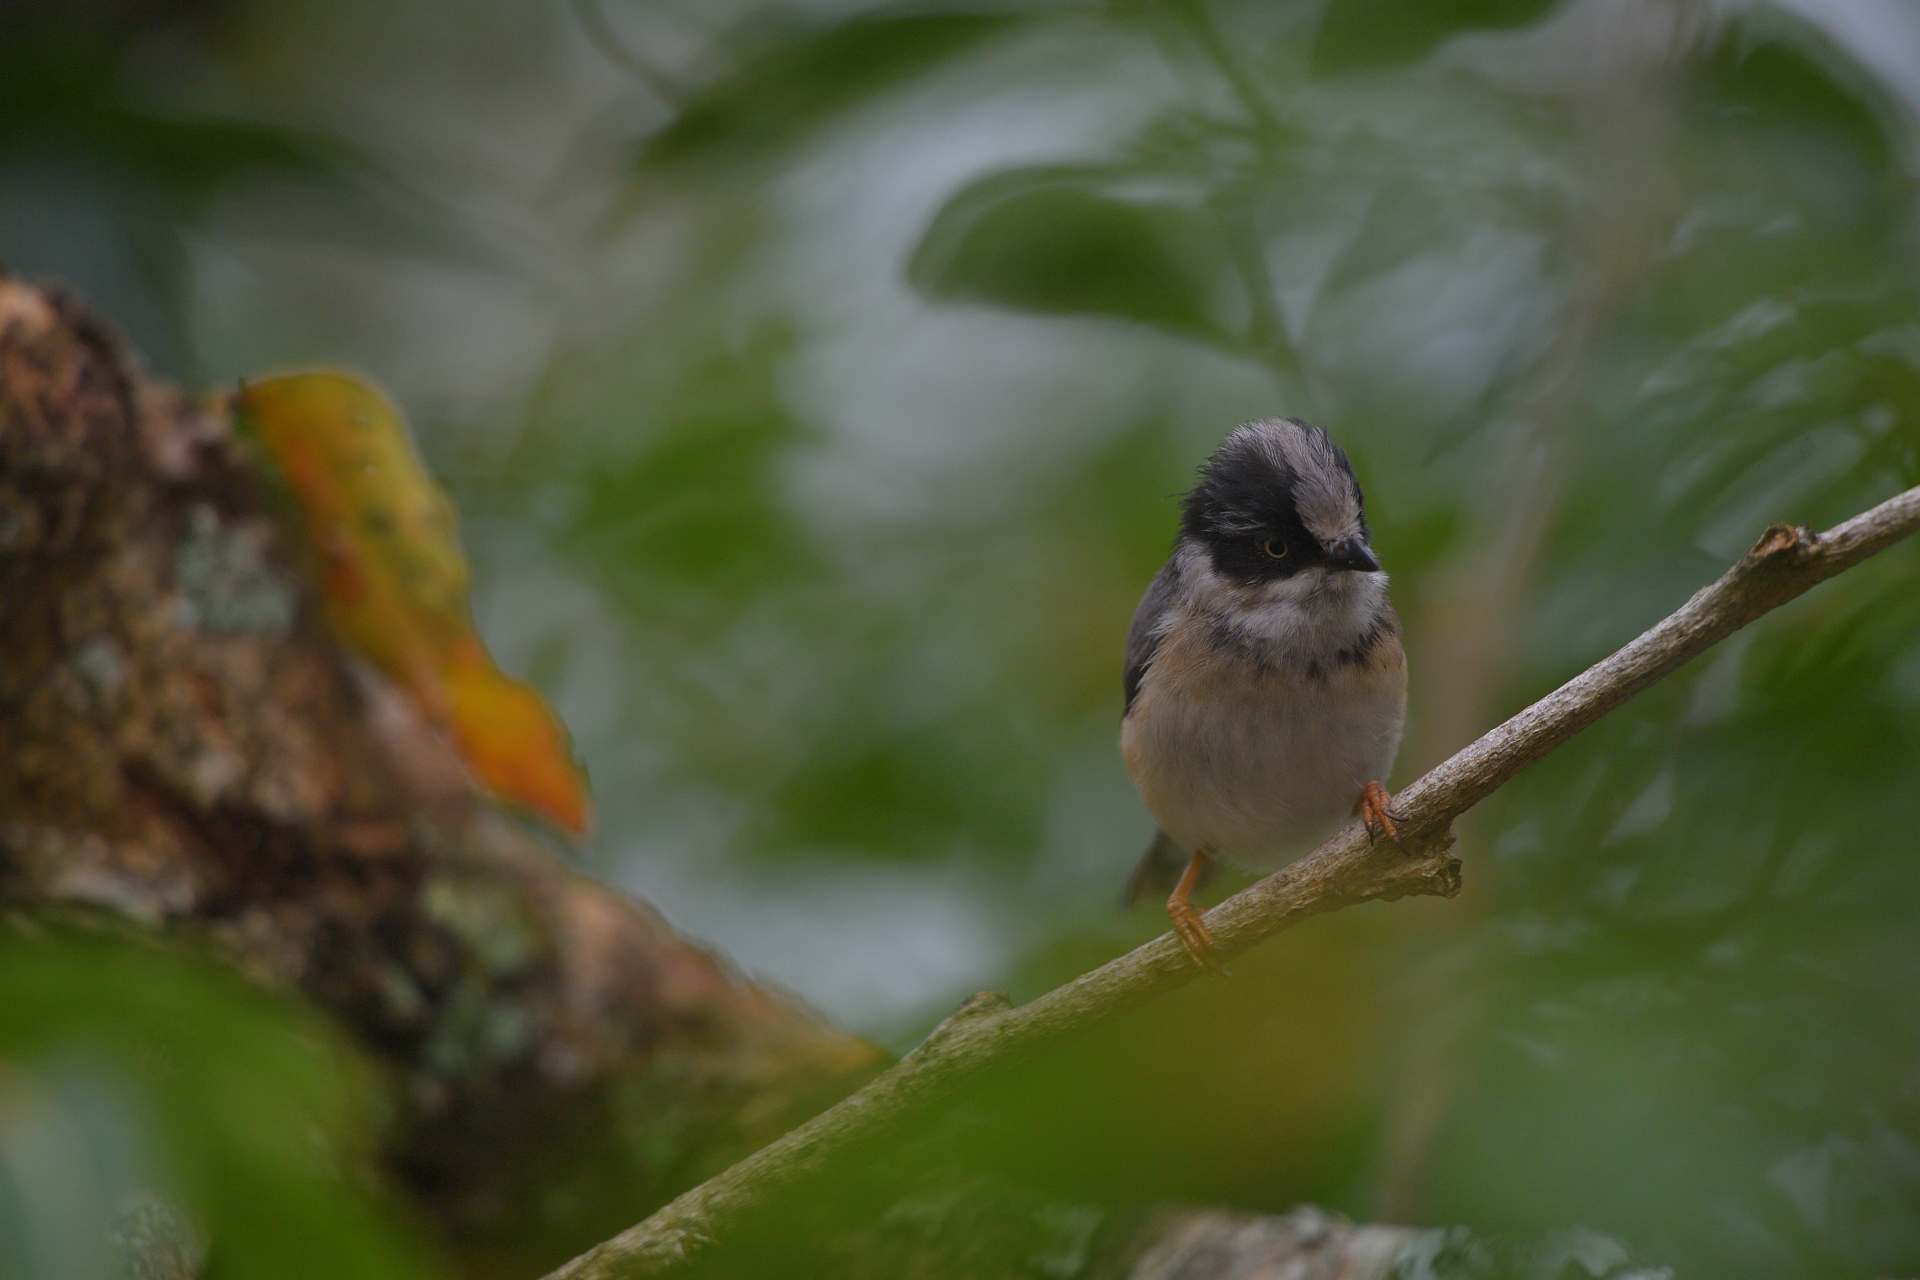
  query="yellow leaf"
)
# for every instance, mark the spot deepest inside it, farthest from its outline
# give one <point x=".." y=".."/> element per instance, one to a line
<point x="512" y="740"/>
<point x="394" y="581"/>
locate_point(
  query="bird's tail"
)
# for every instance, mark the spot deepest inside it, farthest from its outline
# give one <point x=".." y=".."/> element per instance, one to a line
<point x="1158" y="870"/>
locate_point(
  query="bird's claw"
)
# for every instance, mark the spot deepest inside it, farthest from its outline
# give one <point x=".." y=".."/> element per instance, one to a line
<point x="1195" y="937"/>
<point x="1375" y="815"/>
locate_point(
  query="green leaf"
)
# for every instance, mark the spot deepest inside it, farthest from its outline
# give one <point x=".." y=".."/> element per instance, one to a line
<point x="1364" y="35"/>
<point x="1060" y="240"/>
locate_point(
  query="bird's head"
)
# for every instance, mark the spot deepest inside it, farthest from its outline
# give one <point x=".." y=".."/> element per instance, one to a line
<point x="1277" y="511"/>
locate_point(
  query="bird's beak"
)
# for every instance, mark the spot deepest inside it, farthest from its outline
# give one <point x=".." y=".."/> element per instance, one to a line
<point x="1352" y="554"/>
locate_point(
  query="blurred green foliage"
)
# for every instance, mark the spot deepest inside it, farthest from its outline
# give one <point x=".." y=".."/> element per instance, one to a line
<point x="777" y="78"/>
<point x="1359" y="34"/>
<point x="138" y="1084"/>
<point x="1050" y="239"/>
<point x="814" y="381"/>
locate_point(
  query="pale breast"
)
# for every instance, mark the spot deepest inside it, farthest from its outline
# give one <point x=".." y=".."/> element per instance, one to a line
<point x="1259" y="763"/>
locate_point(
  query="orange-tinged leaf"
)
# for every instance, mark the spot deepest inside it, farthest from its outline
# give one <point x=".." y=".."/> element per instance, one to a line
<point x="351" y="467"/>
<point x="513" y="742"/>
<point x="394" y="582"/>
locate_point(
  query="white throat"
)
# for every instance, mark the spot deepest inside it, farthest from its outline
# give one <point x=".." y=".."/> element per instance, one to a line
<point x="1307" y="617"/>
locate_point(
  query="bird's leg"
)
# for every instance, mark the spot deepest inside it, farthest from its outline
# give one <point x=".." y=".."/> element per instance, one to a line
<point x="1187" y="925"/>
<point x="1374" y="813"/>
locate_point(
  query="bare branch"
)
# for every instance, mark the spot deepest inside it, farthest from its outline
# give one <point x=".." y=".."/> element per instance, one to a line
<point x="985" y="1036"/>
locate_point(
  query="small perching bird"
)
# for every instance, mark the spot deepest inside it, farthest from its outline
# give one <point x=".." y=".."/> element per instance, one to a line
<point x="1265" y="682"/>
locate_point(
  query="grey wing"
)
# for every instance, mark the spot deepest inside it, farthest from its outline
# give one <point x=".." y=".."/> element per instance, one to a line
<point x="1143" y="637"/>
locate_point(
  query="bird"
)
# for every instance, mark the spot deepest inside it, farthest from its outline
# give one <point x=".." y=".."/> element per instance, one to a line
<point x="1266" y="681"/>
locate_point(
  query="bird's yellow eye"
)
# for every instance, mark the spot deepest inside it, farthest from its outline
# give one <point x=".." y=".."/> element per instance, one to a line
<point x="1275" y="547"/>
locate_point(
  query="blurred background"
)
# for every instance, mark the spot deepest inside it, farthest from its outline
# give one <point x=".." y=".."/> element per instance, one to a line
<point x="815" y="380"/>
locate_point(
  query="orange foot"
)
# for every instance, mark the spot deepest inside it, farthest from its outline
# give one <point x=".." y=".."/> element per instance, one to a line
<point x="1374" y="813"/>
<point x="1187" y="924"/>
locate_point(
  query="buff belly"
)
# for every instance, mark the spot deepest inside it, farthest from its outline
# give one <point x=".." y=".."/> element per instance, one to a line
<point x="1258" y="767"/>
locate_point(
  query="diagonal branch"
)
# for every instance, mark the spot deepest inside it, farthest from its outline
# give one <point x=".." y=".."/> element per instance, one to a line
<point x="987" y="1034"/>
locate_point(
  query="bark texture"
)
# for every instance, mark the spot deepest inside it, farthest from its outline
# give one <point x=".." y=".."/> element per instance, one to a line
<point x="184" y="746"/>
